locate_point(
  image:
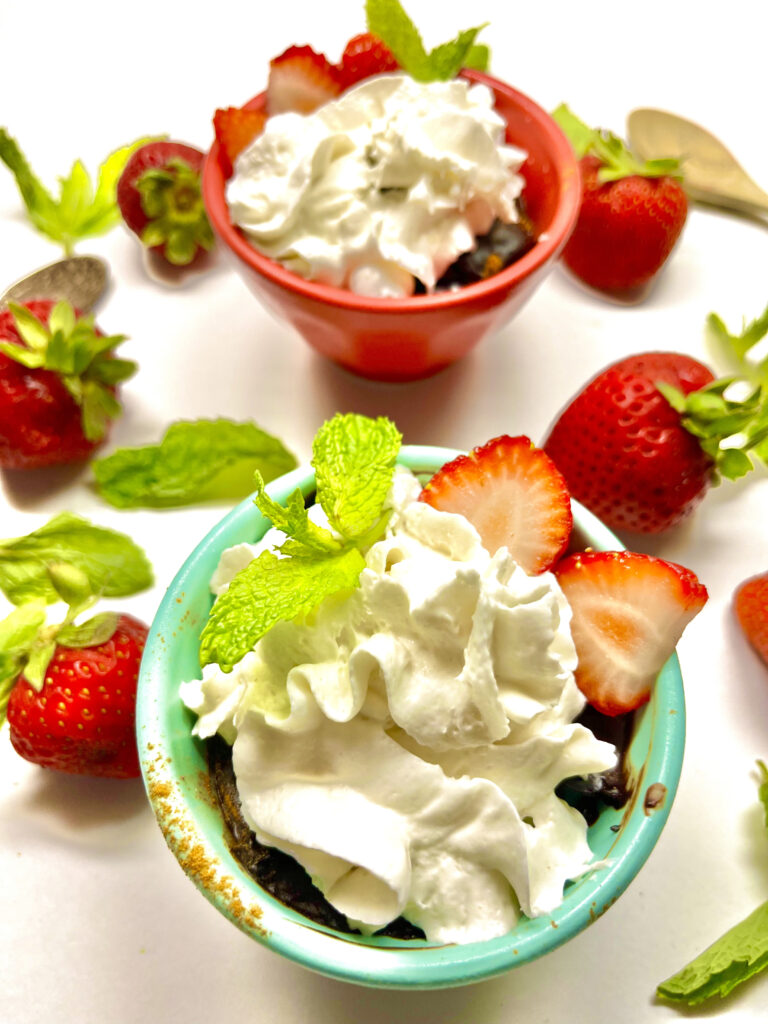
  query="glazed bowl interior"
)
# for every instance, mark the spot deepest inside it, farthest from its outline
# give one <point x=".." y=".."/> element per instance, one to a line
<point x="175" y="772"/>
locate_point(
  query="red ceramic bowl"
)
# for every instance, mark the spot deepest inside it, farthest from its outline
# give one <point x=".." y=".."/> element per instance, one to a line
<point x="404" y="339"/>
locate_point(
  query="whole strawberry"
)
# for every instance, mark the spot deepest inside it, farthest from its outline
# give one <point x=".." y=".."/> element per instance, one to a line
<point x="76" y="713"/>
<point x="58" y="381"/>
<point x="640" y="444"/>
<point x="750" y="603"/>
<point x="160" y="201"/>
<point x="632" y="212"/>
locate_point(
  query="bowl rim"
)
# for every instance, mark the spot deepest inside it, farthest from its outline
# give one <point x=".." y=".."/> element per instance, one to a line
<point x="390" y="963"/>
<point x="547" y="247"/>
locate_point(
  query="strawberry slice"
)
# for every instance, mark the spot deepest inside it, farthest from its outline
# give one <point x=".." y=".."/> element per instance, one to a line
<point x="629" y="611"/>
<point x="235" y="129"/>
<point x="513" y="495"/>
<point x="751" y="607"/>
<point x="364" y="56"/>
<point x="301" y="80"/>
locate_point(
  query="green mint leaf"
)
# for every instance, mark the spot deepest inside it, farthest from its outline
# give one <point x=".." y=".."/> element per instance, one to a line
<point x="478" y="57"/>
<point x="270" y="590"/>
<point x="89" y="634"/>
<point x="354" y="459"/>
<point x="762" y="791"/>
<point x="79" y="212"/>
<point x="387" y="20"/>
<point x="740" y="954"/>
<point x="446" y="60"/>
<point x="293" y="520"/>
<point x="112" y="563"/>
<point x="195" y="461"/>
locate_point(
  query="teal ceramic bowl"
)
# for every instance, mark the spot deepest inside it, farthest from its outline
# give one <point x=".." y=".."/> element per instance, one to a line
<point x="176" y="776"/>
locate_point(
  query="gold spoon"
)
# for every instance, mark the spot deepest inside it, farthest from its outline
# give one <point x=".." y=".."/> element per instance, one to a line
<point x="711" y="174"/>
<point x="81" y="280"/>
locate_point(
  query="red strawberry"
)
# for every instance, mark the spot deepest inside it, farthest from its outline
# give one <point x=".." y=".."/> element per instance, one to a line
<point x="625" y="451"/>
<point x="751" y="607"/>
<point x="159" y="198"/>
<point x="235" y="129"/>
<point x="300" y="80"/>
<point x="632" y="212"/>
<point x="83" y="719"/>
<point x="57" y="384"/>
<point x="364" y="56"/>
<point x="513" y="495"/>
<point x="629" y="611"/>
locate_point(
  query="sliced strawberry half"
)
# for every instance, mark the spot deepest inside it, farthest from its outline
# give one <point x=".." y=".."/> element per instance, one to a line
<point x="629" y="611"/>
<point x="235" y="129"/>
<point x="513" y="495"/>
<point x="364" y="56"/>
<point x="751" y="607"/>
<point x="301" y="80"/>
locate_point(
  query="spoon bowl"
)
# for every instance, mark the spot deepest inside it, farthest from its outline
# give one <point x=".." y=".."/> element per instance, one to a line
<point x="711" y="173"/>
<point x="81" y="280"/>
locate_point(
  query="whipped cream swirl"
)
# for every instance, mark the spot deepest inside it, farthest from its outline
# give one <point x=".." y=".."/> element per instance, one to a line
<point x="391" y="182"/>
<point x="404" y="742"/>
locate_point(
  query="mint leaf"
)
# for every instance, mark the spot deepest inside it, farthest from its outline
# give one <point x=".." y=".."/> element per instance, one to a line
<point x="387" y="20"/>
<point x="195" y="461"/>
<point x="762" y="792"/>
<point x="112" y="564"/>
<point x="478" y="57"/>
<point x="738" y="955"/>
<point x="78" y="212"/>
<point x="294" y="521"/>
<point x="270" y="590"/>
<point x="447" y="60"/>
<point x="354" y="458"/>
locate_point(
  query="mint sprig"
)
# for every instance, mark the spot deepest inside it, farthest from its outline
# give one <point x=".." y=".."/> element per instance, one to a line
<point x="354" y="459"/>
<point x="81" y="210"/>
<point x="195" y="461"/>
<point x="617" y="160"/>
<point x="69" y="559"/>
<point x="738" y="955"/>
<point x="71" y="347"/>
<point x="387" y="20"/>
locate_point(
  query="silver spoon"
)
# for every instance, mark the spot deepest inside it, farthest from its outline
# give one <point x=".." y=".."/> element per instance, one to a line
<point x="711" y="174"/>
<point x="81" y="280"/>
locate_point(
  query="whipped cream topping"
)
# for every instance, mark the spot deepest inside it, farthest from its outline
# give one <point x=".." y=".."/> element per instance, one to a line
<point x="403" y="743"/>
<point x="393" y="180"/>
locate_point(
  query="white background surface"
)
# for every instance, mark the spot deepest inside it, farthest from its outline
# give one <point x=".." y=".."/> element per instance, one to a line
<point x="97" y="922"/>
